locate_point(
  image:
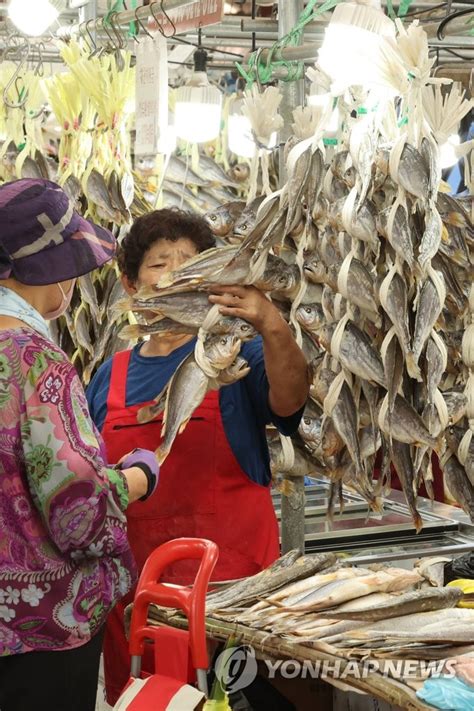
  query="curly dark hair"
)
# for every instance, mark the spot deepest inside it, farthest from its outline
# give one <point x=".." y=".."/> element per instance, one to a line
<point x="161" y="224"/>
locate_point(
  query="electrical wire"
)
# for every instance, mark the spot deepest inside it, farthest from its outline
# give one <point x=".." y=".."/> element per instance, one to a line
<point x="415" y="13"/>
<point x="208" y="49"/>
<point x="444" y="23"/>
<point x="455" y="54"/>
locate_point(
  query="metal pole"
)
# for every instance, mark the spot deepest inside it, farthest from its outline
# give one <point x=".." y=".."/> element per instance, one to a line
<point x="88" y="13"/>
<point x="292" y="505"/>
<point x="293" y="92"/>
<point x="143" y="13"/>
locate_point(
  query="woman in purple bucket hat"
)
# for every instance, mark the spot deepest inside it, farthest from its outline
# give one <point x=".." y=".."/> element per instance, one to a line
<point x="64" y="555"/>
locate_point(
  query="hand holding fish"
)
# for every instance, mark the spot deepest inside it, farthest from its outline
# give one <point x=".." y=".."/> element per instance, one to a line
<point x="249" y="303"/>
<point x="285" y="363"/>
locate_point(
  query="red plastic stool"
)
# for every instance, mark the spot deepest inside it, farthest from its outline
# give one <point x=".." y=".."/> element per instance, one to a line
<point x="192" y="601"/>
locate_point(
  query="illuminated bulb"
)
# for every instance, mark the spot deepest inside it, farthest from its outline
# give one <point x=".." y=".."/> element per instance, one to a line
<point x="352" y="42"/>
<point x="197" y="115"/>
<point x="32" y="17"/>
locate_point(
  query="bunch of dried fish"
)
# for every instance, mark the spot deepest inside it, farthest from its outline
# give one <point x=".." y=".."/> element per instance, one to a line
<point x="349" y="611"/>
<point x="354" y="274"/>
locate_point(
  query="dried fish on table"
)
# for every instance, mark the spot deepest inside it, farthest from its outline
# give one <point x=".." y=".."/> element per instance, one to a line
<point x="338" y="591"/>
<point x="407" y="603"/>
<point x="433" y="569"/>
<point x="291" y="567"/>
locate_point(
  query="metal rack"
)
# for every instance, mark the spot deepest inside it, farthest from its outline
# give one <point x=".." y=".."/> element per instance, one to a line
<point x="367" y="537"/>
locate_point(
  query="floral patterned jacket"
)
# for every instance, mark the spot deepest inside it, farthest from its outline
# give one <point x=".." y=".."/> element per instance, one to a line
<point x="64" y="555"/>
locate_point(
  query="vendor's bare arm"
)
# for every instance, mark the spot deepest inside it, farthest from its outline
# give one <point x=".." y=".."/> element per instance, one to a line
<point x="286" y="367"/>
<point x="285" y="364"/>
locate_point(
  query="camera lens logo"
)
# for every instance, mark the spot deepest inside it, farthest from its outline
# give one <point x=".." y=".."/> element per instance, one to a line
<point x="236" y="668"/>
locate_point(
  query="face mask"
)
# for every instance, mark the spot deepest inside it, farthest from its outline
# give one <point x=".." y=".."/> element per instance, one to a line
<point x="65" y="301"/>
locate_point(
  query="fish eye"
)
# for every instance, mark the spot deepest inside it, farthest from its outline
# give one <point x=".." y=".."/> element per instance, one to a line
<point x="213" y="217"/>
<point x="244" y="226"/>
<point x="307" y="420"/>
<point x="308" y="309"/>
<point x="223" y="341"/>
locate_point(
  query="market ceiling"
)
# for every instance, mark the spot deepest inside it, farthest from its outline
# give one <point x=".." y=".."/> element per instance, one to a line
<point x="246" y="25"/>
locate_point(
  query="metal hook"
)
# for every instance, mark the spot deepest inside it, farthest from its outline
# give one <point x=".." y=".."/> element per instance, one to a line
<point x="257" y="73"/>
<point x="121" y="41"/>
<point x="159" y="23"/>
<point x="112" y="46"/>
<point x="39" y="69"/>
<point x="16" y="76"/>
<point x="92" y="47"/>
<point x="141" y="25"/>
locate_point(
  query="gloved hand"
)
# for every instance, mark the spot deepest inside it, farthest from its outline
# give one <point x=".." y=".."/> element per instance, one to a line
<point x="146" y="460"/>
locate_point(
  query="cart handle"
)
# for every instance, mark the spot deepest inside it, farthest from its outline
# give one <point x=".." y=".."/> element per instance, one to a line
<point x="191" y="601"/>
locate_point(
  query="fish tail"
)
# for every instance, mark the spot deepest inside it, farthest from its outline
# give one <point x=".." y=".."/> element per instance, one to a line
<point x="129" y="332"/>
<point x="161" y="453"/>
<point x="145" y="414"/>
<point x="440" y="443"/>
<point x="418" y="521"/>
<point x="413" y="367"/>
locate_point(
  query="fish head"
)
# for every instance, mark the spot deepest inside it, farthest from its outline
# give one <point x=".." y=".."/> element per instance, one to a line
<point x="222" y="350"/>
<point x="314" y="269"/>
<point x="310" y="425"/>
<point x="243" y="330"/>
<point x="240" y="172"/>
<point x="244" y="225"/>
<point x="278" y="276"/>
<point x="310" y="316"/>
<point x="235" y="371"/>
<point x="220" y="221"/>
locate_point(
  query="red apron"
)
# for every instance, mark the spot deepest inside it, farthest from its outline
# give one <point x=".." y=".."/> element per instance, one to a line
<point x="202" y="492"/>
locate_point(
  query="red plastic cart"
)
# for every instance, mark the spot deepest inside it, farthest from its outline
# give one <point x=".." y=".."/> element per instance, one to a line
<point x="180" y="656"/>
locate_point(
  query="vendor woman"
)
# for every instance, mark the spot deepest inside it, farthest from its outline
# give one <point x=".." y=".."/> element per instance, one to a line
<point x="215" y="483"/>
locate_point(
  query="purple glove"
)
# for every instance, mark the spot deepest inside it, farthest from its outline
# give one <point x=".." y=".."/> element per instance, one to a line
<point x="148" y="463"/>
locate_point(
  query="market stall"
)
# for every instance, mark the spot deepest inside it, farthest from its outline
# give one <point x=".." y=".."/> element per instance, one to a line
<point x="380" y="630"/>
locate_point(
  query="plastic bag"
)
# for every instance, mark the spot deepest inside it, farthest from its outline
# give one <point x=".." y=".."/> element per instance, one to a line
<point x="450" y="694"/>
<point x="462" y="567"/>
<point x="467" y="586"/>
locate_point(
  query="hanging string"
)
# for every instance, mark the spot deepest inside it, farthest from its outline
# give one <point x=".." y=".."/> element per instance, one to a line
<point x="262" y="72"/>
<point x="404" y="7"/>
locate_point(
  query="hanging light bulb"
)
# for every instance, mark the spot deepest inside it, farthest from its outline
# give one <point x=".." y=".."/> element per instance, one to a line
<point x="447" y="152"/>
<point x="352" y="42"/>
<point x="33" y="17"/>
<point x="197" y="115"/>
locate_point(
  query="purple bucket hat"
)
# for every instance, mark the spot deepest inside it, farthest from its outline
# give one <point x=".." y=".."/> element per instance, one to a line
<point x="43" y="240"/>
